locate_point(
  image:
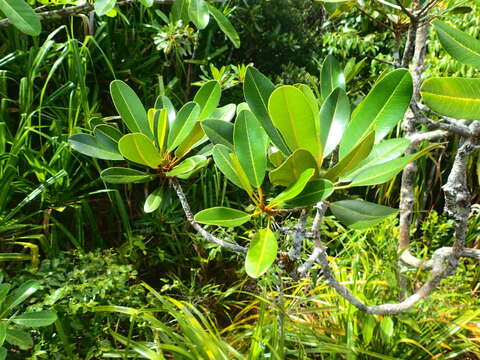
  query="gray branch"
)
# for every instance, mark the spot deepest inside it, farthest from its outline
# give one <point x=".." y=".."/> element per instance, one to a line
<point x="298" y="236"/>
<point x="205" y="234"/>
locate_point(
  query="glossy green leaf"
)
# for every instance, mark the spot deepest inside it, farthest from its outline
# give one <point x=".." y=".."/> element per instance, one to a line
<point x="334" y="116"/>
<point x="455" y="97"/>
<point x="4" y="289"/>
<point x="22" y="16"/>
<point x="218" y="132"/>
<point x="312" y="100"/>
<point x="225" y="25"/>
<point x="381" y="153"/>
<point x="19" y="338"/>
<point x="98" y="146"/>
<point x="359" y="214"/>
<point x="164" y="102"/>
<point x="250" y="144"/>
<point x="383" y="107"/>
<point x="277" y="158"/>
<point x="257" y="89"/>
<point x="352" y="159"/>
<point x="121" y="175"/>
<point x="331" y="76"/>
<point x="226" y="113"/>
<point x="183" y="124"/>
<point x="194" y="139"/>
<point x="180" y="11"/>
<point x="161" y="129"/>
<point x="3" y="353"/>
<point x="353" y="71"/>
<point x="154" y="200"/>
<point x="139" y="148"/>
<point x="187" y="167"/>
<point x="147" y="3"/>
<point x="108" y="131"/>
<point x="208" y="98"/>
<point x="36" y="319"/>
<point x="224" y="160"/>
<point x="18" y="296"/>
<point x="222" y="216"/>
<point x="130" y="108"/>
<point x="288" y="172"/>
<point x="314" y="192"/>
<point x="295" y="189"/>
<point x="3" y="331"/>
<point x="459" y="45"/>
<point x="261" y="253"/>
<point x="103" y="7"/>
<point x="292" y="115"/>
<point x="198" y="13"/>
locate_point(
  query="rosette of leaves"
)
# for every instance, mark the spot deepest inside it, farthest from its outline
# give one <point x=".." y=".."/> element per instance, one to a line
<point x="14" y="322"/>
<point x="161" y="139"/>
<point x="311" y="146"/>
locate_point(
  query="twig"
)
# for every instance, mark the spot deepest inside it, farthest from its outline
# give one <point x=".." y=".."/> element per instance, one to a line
<point x="205" y="234"/>
<point x="298" y="236"/>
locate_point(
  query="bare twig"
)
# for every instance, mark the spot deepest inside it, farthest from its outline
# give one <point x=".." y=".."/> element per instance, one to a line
<point x="205" y="234"/>
<point x="298" y="237"/>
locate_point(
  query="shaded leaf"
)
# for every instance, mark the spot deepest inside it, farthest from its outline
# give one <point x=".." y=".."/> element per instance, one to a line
<point x="18" y="296"/>
<point x="314" y="192"/>
<point x="36" y="319"/>
<point x="121" y="175"/>
<point x="19" y="338"/>
<point x="222" y="216"/>
<point x="223" y="158"/>
<point x="288" y="172"/>
<point x="360" y="214"/>
<point x="225" y="25"/>
<point x="183" y="124"/>
<point x="218" y="132"/>
<point x="99" y="146"/>
<point x="295" y="189"/>
<point x="22" y="16"/>
<point x="198" y="13"/>
<point x="153" y="201"/>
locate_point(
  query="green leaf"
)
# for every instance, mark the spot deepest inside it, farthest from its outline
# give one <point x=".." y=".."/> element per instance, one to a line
<point x="161" y="129"/>
<point x="292" y="115"/>
<point x="147" y="3"/>
<point x="334" y="116"/>
<point x="154" y="200"/>
<point x="257" y="89"/>
<point x="294" y="190"/>
<point x="224" y="160"/>
<point x="23" y="292"/>
<point x="164" y="102"/>
<point x="459" y="45"/>
<point x="194" y="139"/>
<point x="198" y="13"/>
<point x="36" y="319"/>
<point x="187" y="167"/>
<point x="353" y="71"/>
<point x="314" y="192"/>
<point x="359" y="214"/>
<point x="387" y="327"/>
<point x="141" y="349"/>
<point x="3" y="331"/>
<point x="455" y="97"/>
<point x="381" y="110"/>
<point x="139" y="148"/>
<point x="225" y="25"/>
<point x="226" y="113"/>
<point x="19" y="338"/>
<point x="121" y="175"/>
<point x="180" y="11"/>
<point x="3" y="353"/>
<point x="22" y="16"/>
<point x="218" y="132"/>
<point x="103" y="7"/>
<point x="130" y="108"/>
<point x="222" y="216"/>
<point x="208" y="98"/>
<point x="261" y="253"/>
<point x="99" y="146"/>
<point x="288" y="172"/>
<point x="183" y="124"/>
<point x="352" y="159"/>
<point x="4" y="289"/>
<point x="381" y="153"/>
<point x="331" y="76"/>
<point x="108" y="131"/>
<point x="250" y="144"/>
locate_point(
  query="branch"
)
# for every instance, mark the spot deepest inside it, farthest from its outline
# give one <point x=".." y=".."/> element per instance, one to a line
<point x="298" y="236"/>
<point x="450" y="124"/>
<point x="205" y="234"/>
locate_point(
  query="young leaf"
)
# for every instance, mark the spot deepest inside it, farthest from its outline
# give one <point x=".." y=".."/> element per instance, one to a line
<point x="187" y="167"/>
<point x="222" y="216"/>
<point x="459" y="45"/>
<point x="223" y="156"/>
<point x="164" y="102"/>
<point x="359" y="214"/>
<point x="36" y="319"/>
<point x="288" y="172"/>
<point x="198" y="13"/>
<point x="334" y="116"/>
<point x="194" y="139"/>
<point x="455" y="97"/>
<point x="153" y="201"/>
<point x="352" y="159"/>
<point x="295" y="189"/>
<point x="314" y="191"/>
<point x="139" y="148"/>
<point x="121" y="175"/>
<point x="381" y="110"/>
<point x="292" y="115"/>
<point x="257" y="89"/>
<point x="208" y="98"/>
<point x="331" y="76"/>
<point x="130" y="108"/>
<point x="160" y="129"/>
<point x="22" y="16"/>
<point x="183" y="124"/>
<point x="225" y="25"/>
<point x="218" y="132"/>
<point x="250" y="144"/>
<point x="261" y="253"/>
